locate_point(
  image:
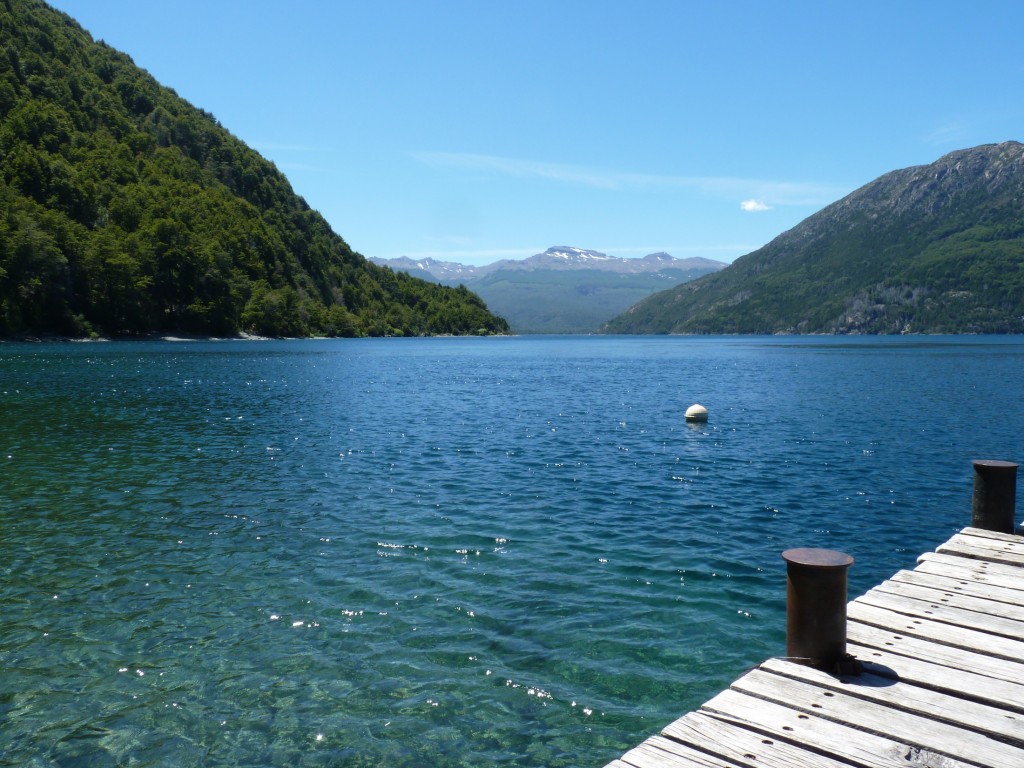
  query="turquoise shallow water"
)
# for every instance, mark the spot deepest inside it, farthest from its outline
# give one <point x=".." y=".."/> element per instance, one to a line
<point x="446" y="551"/>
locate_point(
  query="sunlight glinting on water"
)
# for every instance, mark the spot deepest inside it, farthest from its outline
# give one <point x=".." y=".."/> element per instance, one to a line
<point x="446" y="551"/>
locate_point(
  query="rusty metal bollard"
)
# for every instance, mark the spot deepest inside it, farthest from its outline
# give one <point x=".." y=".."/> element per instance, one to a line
<point x="995" y="492"/>
<point x="816" y="608"/>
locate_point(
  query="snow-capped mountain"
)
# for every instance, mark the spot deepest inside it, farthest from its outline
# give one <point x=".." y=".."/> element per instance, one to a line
<point x="564" y="289"/>
<point x="559" y="257"/>
<point x="565" y="257"/>
<point x="431" y="269"/>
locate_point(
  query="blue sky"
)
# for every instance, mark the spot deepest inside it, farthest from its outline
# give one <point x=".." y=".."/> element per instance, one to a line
<point x="473" y="131"/>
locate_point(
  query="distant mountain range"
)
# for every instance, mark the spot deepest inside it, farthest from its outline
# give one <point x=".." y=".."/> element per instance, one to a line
<point x="563" y="289"/>
<point x="935" y="248"/>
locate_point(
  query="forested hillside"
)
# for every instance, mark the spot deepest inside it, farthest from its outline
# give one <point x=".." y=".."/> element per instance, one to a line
<point x="935" y="248"/>
<point x="125" y="210"/>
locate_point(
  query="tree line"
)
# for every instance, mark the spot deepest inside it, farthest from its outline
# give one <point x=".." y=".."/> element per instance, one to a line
<point x="126" y="210"/>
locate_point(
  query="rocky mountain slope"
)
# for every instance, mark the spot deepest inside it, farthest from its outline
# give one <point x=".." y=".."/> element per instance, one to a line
<point x="936" y="248"/>
<point x="564" y="289"/>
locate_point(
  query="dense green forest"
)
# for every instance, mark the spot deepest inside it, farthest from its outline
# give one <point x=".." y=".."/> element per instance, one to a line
<point x="937" y="248"/>
<point x="125" y="210"/>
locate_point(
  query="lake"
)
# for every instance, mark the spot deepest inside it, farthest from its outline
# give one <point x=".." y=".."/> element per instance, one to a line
<point x="442" y="552"/>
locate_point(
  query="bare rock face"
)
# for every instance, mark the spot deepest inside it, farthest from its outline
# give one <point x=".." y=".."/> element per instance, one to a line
<point x="936" y="248"/>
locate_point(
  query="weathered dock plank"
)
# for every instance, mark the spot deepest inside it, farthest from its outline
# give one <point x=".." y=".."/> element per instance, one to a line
<point x="966" y="611"/>
<point x="984" y="548"/>
<point x="968" y="683"/>
<point x="968" y="570"/>
<point x="662" y="752"/>
<point x="944" y="579"/>
<point x="943" y="656"/>
<point x="969" y="638"/>
<point x="943" y="681"/>
<point x="841" y="741"/>
<point x="823" y="691"/>
<point x="1011" y="538"/>
<point x="747" y="747"/>
<point x="894" y="719"/>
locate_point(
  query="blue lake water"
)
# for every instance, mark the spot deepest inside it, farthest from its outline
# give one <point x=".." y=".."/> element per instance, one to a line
<point x="433" y="552"/>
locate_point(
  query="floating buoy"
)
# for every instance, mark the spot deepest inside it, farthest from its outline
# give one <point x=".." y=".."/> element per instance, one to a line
<point x="696" y="412"/>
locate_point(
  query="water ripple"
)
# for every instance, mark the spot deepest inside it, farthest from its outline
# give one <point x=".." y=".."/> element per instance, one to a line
<point x="445" y="552"/>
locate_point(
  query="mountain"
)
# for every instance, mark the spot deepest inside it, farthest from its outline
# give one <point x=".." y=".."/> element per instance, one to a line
<point x="444" y="272"/>
<point x="126" y="210"/>
<point x="563" y="289"/>
<point x="930" y="249"/>
<point x="559" y="257"/>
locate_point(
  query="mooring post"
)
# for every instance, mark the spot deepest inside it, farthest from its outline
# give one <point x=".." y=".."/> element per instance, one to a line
<point x="816" y="606"/>
<point x="995" y="495"/>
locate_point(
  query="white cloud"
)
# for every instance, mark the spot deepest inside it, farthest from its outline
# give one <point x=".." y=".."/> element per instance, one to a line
<point x="522" y="168"/>
<point x="298" y="167"/>
<point x="765" y="193"/>
<point x="270" y="146"/>
<point x="755" y="205"/>
<point x="949" y="133"/>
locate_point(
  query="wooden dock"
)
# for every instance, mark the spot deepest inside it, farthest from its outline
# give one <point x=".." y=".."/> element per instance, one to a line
<point x="943" y="681"/>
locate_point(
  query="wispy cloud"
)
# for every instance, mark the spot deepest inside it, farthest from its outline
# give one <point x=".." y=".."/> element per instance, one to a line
<point x="953" y="132"/>
<point x="755" y="205"/>
<point x="298" y="167"/>
<point x="270" y="146"/>
<point x="567" y="174"/>
<point x="764" y="192"/>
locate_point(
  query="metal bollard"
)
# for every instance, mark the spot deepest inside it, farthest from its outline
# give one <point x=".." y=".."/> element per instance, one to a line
<point x="995" y="491"/>
<point x="816" y="607"/>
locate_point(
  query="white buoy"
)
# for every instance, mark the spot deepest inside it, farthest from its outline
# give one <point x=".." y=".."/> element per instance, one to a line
<point x="696" y="412"/>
